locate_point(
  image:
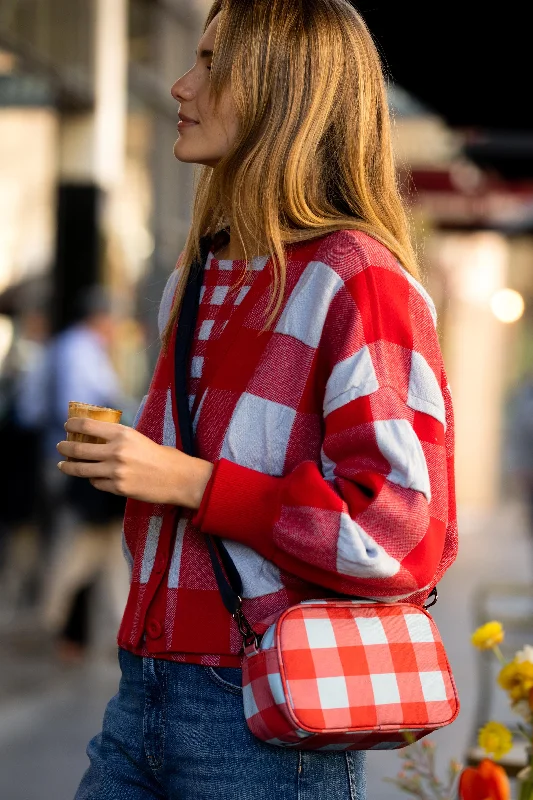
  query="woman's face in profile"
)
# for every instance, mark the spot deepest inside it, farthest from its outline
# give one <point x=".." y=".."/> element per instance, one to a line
<point x="203" y="136"/>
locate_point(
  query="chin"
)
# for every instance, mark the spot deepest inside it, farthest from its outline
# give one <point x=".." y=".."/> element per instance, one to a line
<point x="192" y="155"/>
<point x="182" y="152"/>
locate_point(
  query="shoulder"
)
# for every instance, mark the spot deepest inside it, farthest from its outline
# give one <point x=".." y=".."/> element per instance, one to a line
<point x="73" y="339"/>
<point x="362" y="302"/>
<point x="366" y="267"/>
<point x="348" y="275"/>
<point x="348" y="285"/>
<point x="350" y="251"/>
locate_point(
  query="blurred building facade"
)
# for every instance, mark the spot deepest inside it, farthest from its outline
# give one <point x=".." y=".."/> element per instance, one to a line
<point x="475" y="236"/>
<point x="88" y="185"/>
<point x="89" y="192"/>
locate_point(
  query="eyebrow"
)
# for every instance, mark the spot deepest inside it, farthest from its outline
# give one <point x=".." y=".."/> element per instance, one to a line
<point x="205" y="53"/>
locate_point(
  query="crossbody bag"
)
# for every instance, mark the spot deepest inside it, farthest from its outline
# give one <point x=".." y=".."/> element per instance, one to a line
<point x="327" y="674"/>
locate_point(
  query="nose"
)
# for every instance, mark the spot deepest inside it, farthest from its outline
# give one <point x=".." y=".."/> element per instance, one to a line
<point x="183" y="88"/>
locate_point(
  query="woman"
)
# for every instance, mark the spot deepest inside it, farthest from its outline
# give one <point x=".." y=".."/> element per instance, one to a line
<point x="322" y="418"/>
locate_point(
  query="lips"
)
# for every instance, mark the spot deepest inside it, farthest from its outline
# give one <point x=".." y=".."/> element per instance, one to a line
<point x="187" y="120"/>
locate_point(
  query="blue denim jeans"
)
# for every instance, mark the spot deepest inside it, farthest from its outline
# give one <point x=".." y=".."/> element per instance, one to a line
<point x="177" y="732"/>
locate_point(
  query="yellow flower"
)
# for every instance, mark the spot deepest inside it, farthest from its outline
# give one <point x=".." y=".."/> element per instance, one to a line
<point x="517" y="679"/>
<point x="495" y="739"/>
<point x="488" y="636"/>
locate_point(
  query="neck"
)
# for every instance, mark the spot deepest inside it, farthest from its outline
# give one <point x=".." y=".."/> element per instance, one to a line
<point x="231" y="248"/>
<point x="232" y="251"/>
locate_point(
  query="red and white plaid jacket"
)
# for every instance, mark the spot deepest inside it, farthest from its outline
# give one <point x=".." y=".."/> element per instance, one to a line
<point x="332" y="439"/>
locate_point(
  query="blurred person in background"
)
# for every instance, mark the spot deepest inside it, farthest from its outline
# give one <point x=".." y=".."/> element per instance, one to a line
<point x="79" y="368"/>
<point x="323" y="421"/>
<point x="22" y="426"/>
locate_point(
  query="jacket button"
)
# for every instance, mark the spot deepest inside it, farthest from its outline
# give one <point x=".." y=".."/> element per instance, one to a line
<point x="154" y="629"/>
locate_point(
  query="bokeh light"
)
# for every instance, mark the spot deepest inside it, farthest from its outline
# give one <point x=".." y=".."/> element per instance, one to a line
<point x="507" y="305"/>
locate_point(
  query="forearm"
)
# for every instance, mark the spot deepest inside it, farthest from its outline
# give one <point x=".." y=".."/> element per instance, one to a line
<point x="187" y="480"/>
<point x="349" y="540"/>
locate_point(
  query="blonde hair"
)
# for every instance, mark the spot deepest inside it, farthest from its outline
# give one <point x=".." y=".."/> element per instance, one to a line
<point x="313" y="153"/>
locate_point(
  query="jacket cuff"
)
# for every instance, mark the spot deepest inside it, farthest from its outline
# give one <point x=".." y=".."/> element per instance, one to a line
<point x="240" y="504"/>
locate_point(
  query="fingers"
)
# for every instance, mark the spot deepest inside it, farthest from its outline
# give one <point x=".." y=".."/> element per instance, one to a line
<point x="104" y="485"/>
<point x="92" y="427"/>
<point x="97" y="470"/>
<point x="83" y="451"/>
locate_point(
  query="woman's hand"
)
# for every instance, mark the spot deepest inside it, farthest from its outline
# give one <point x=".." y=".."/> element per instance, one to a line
<point x="132" y="465"/>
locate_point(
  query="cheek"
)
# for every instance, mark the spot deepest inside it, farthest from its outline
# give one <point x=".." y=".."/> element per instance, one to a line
<point x="226" y="127"/>
<point x="221" y="125"/>
<point x="218" y="131"/>
<point x="229" y="117"/>
<point x="232" y="128"/>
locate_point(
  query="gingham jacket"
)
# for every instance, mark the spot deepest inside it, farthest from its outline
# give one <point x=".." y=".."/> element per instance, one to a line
<point x="332" y="439"/>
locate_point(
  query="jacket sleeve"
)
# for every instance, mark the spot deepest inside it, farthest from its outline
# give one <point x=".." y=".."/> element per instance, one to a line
<point x="370" y="519"/>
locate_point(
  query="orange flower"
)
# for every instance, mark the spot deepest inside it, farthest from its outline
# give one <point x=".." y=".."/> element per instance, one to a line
<point x="486" y="782"/>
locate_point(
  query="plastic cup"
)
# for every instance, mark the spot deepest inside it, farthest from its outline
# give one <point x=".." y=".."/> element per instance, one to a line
<point x="88" y="411"/>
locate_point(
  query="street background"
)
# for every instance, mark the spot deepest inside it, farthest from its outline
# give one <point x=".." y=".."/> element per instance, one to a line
<point x="91" y="196"/>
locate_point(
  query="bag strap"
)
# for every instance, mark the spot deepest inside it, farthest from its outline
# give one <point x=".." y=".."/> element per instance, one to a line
<point x="226" y="574"/>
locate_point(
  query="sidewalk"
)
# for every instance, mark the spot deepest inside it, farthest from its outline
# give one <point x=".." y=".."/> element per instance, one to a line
<point x="48" y="713"/>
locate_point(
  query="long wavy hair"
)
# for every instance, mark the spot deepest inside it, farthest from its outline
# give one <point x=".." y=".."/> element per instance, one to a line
<point x="313" y="152"/>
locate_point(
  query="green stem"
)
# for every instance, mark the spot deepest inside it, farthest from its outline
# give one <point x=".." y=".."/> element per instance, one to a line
<point x="526" y="790"/>
<point x="499" y="655"/>
<point x="526" y="785"/>
<point x="523" y="732"/>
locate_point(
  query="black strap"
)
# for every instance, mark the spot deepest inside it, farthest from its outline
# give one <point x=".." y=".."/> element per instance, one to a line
<point x="226" y="573"/>
<point x="228" y="580"/>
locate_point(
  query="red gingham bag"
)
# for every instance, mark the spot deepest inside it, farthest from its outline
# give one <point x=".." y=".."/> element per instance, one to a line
<point x="348" y="675"/>
<point x="327" y="674"/>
